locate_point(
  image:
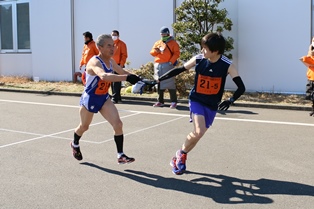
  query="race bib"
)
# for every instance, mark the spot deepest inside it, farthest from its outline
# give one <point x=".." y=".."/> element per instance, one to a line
<point x="208" y="85"/>
<point x="102" y="88"/>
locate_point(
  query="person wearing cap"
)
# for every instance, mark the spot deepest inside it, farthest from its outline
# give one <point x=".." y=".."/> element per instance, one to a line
<point x="89" y="50"/>
<point x="166" y="52"/>
<point x="120" y="55"/>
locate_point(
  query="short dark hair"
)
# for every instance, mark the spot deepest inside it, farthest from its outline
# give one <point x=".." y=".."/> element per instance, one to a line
<point x="117" y="32"/>
<point x="214" y="42"/>
<point x="88" y="34"/>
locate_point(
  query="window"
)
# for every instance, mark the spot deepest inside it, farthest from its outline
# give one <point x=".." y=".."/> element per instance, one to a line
<point x="14" y="26"/>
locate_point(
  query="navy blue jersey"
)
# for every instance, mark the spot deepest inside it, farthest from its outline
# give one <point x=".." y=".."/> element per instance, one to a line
<point x="210" y="79"/>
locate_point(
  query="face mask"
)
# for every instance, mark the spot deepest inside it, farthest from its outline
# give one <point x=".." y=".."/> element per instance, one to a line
<point x="313" y="44"/>
<point x="114" y="38"/>
<point x="165" y="38"/>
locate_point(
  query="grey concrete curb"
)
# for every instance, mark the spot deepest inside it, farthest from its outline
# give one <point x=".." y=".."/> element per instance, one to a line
<point x="184" y="101"/>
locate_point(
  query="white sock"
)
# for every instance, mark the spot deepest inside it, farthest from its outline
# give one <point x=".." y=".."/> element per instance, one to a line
<point x="120" y="154"/>
<point x="75" y="145"/>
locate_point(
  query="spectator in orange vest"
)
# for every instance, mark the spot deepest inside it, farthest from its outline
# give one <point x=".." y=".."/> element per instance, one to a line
<point x="120" y="55"/>
<point x="166" y="52"/>
<point x="309" y="62"/>
<point x="89" y="50"/>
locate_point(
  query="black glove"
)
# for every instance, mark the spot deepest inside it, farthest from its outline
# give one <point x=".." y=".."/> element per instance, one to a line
<point x="133" y="79"/>
<point x="225" y="104"/>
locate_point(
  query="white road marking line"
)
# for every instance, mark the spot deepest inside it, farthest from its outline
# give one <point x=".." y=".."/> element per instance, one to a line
<point x="39" y="103"/>
<point x="144" y="129"/>
<point x="32" y="139"/>
<point x="30" y="133"/>
<point x="168" y="114"/>
<point x="156" y="113"/>
<point x="143" y="112"/>
<point x="267" y="121"/>
<point x="231" y="119"/>
<point x="53" y="135"/>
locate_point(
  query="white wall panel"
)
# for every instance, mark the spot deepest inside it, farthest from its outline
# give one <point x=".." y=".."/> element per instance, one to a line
<point x="137" y="21"/>
<point x="139" y="26"/>
<point x="232" y="8"/>
<point x="16" y="65"/>
<point x="272" y="35"/>
<point x="51" y="39"/>
<point x="95" y="16"/>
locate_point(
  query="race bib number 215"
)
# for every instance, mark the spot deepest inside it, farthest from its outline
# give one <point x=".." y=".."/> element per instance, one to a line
<point x="208" y="85"/>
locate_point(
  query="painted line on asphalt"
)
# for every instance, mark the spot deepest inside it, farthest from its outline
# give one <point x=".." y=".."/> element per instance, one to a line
<point x="267" y="121"/>
<point x="168" y="114"/>
<point x="39" y="103"/>
<point x="53" y="134"/>
<point x="144" y="129"/>
<point x="230" y="119"/>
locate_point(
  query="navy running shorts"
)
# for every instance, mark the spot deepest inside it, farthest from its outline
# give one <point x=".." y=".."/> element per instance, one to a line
<point x="93" y="103"/>
<point x="199" y="109"/>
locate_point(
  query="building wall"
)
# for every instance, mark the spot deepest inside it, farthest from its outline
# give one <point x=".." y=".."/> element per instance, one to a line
<point x="269" y="38"/>
<point x="16" y="65"/>
<point x="272" y="35"/>
<point x="51" y="39"/>
<point x="139" y="24"/>
<point x="232" y="8"/>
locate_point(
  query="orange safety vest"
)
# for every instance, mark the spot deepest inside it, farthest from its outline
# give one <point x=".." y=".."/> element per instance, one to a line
<point x="89" y="50"/>
<point x="169" y="53"/>
<point x="310" y="70"/>
<point x="120" y="52"/>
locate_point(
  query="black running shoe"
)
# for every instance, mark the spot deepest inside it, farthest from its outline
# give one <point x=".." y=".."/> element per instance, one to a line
<point x="76" y="152"/>
<point x="125" y="159"/>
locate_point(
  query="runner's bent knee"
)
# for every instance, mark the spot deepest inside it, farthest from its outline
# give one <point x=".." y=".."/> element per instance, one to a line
<point x="117" y="125"/>
<point x="83" y="128"/>
<point x="199" y="133"/>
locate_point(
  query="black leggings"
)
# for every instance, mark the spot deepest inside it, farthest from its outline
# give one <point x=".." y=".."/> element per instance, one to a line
<point x="309" y="94"/>
<point x="172" y="92"/>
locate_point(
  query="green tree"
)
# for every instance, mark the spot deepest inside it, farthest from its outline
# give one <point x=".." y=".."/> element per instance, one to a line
<point x="195" y="19"/>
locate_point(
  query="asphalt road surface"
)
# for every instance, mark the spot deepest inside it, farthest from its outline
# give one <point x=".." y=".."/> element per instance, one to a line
<point x="249" y="158"/>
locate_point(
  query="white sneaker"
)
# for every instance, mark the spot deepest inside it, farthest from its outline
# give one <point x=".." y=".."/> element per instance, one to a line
<point x="173" y="105"/>
<point x="158" y="104"/>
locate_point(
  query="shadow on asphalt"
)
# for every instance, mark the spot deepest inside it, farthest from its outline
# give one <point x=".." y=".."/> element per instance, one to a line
<point x="245" y="112"/>
<point x="222" y="189"/>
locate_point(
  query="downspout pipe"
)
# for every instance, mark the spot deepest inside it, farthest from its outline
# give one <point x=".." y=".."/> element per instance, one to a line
<point x="72" y="38"/>
<point x="312" y="20"/>
<point x="174" y="14"/>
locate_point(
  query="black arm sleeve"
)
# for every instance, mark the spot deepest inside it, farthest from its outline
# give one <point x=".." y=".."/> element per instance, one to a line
<point x="171" y="73"/>
<point x="241" y="88"/>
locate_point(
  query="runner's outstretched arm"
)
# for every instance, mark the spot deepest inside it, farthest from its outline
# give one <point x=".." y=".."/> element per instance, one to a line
<point x="176" y="71"/>
<point x="171" y="73"/>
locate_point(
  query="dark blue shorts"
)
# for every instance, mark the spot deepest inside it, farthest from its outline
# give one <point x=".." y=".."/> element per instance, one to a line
<point x="93" y="103"/>
<point x="199" y="109"/>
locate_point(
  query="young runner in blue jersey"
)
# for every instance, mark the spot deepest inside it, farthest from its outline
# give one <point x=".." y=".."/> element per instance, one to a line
<point x="211" y="70"/>
<point x="95" y="97"/>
